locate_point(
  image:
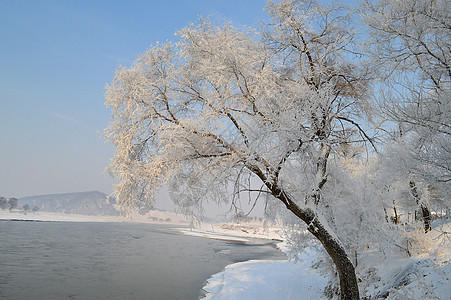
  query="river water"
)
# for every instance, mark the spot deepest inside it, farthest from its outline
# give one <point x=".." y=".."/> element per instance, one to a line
<point x="57" y="260"/>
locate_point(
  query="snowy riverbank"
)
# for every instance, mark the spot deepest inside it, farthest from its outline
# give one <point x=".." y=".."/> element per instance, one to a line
<point x="261" y="279"/>
<point x="268" y="279"/>
<point x="154" y="217"/>
<point x="426" y="276"/>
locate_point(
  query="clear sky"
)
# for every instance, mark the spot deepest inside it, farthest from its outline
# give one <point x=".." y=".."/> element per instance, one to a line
<point x="55" y="59"/>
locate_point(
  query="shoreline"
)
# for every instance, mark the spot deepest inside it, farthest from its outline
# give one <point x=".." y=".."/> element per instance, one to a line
<point x="154" y="217"/>
<point x="262" y="276"/>
<point x="272" y="279"/>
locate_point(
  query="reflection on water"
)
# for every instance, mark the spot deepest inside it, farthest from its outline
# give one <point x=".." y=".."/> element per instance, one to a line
<point x="53" y="260"/>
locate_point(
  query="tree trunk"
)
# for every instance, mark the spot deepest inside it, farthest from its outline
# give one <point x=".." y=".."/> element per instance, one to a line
<point x="349" y="289"/>
<point x="426" y="218"/>
<point x="396" y="217"/>
<point x="386" y="215"/>
<point x="426" y="214"/>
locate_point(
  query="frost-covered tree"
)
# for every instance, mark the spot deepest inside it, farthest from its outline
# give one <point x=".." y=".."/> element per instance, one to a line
<point x="12" y="202"/>
<point x="411" y="48"/>
<point x="3" y="203"/>
<point x="223" y="107"/>
<point x="412" y="37"/>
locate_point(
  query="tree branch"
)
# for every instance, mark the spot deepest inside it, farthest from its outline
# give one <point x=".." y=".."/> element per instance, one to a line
<point x="360" y="130"/>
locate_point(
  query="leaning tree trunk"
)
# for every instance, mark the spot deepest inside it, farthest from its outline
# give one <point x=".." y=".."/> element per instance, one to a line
<point x="349" y="289"/>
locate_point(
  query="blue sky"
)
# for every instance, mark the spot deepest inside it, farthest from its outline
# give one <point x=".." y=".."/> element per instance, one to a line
<point x="56" y="57"/>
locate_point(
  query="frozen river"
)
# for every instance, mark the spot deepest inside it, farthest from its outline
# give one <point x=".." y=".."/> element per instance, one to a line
<point x="56" y="260"/>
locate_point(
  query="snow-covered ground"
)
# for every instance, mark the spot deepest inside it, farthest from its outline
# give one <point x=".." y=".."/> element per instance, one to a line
<point x="236" y="232"/>
<point x="268" y="279"/>
<point x="403" y="278"/>
<point x="425" y="276"/>
<point x="153" y="217"/>
<point x="261" y="279"/>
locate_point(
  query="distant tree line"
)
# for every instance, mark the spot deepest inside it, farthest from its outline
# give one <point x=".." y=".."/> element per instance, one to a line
<point x="13" y="203"/>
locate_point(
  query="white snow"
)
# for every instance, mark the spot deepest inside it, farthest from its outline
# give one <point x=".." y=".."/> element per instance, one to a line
<point x="261" y="279"/>
<point x="268" y="279"/>
<point x="427" y="276"/>
<point x="238" y="232"/>
<point x="212" y="235"/>
<point x="153" y="217"/>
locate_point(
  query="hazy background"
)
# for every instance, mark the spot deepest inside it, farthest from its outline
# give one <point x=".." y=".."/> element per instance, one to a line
<point x="55" y="59"/>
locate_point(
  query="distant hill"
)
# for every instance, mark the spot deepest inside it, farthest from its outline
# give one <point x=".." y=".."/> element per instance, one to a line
<point x="85" y="203"/>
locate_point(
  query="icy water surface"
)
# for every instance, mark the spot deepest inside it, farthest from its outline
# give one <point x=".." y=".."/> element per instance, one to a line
<point x="55" y="260"/>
